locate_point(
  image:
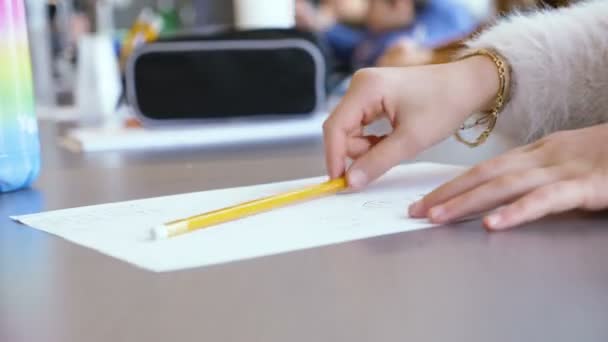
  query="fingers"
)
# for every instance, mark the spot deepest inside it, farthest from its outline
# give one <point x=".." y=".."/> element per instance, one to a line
<point x="335" y="149"/>
<point x="387" y="153"/>
<point x="494" y="168"/>
<point x="342" y="144"/>
<point x="358" y="146"/>
<point x="358" y="107"/>
<point x="549" y="199"/>
<point x="493" y="194"/>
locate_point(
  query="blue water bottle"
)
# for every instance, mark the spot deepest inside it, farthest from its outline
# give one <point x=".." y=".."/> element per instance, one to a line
<point x="19" y="142"/>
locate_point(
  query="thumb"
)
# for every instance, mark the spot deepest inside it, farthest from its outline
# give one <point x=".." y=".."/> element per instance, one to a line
<point x="389" y="152"/>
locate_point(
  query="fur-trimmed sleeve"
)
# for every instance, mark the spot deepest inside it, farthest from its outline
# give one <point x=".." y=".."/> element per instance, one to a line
<point x="559" y="60"/>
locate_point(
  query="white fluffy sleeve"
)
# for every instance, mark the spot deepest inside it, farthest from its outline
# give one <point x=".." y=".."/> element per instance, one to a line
<point x="559" y="60"/>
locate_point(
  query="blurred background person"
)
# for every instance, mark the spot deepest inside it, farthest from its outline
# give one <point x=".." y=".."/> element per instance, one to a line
<point x="320" y="16"/>
<point x="383" y="23"/>
<point x="409" y="53"/>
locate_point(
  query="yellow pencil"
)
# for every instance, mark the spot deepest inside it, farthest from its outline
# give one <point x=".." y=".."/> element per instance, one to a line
<point x="239" y="211"/>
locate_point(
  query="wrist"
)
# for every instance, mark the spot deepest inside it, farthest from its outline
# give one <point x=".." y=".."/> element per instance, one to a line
<point x="476" y="62"/>
<point x="479" y="82"/>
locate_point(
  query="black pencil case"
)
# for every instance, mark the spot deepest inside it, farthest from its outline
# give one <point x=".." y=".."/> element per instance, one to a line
<point x="231" y="74"/>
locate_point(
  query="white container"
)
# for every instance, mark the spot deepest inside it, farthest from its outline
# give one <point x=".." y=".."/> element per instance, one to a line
<point x="98" y="84"/>
<point x="263" y="14"/>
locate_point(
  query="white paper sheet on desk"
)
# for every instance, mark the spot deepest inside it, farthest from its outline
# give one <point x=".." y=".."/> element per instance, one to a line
<point x="195" y="135"/>
<point x="122" y="230"/>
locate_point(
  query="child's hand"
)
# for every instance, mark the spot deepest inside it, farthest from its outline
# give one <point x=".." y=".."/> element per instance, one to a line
<point x="564" y="171"/>
<point x="424" y="105"/>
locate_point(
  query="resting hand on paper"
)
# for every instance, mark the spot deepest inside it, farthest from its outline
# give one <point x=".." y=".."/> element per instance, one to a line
<point x="424" y="105"/>
<point x="564" y="171"/>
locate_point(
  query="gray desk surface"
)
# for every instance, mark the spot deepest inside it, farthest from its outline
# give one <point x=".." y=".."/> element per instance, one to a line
<point x="547" y="282"/>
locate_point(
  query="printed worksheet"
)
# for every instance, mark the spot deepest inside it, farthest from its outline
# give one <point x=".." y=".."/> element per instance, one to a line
<point x="122" y="230"/>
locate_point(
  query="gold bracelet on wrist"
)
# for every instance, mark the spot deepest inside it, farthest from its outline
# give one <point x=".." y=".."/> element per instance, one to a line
<point x="490" y="117"/>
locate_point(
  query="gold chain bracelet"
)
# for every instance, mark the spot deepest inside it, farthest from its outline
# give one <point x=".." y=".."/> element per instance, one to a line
<point x="490" y="117"/>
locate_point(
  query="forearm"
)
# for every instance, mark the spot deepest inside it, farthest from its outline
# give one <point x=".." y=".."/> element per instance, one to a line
<point x="559" y="61"/>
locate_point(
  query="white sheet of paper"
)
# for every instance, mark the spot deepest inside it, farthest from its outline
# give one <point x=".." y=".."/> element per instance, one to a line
<point x="207" y="134"/>
<point x="122" y="230"/>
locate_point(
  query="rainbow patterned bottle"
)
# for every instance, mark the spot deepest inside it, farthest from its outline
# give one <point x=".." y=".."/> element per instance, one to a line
<point x="19" y="142"/>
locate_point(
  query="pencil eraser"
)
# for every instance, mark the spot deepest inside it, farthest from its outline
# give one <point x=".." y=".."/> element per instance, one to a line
<point x="159" y="233"/>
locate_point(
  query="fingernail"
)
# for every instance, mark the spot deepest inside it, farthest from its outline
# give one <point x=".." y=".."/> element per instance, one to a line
<point x="415" y="208"/>
<point x="357" y="179"/>
<point x="493" y="222"/>
<point x="437" y="214"/>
